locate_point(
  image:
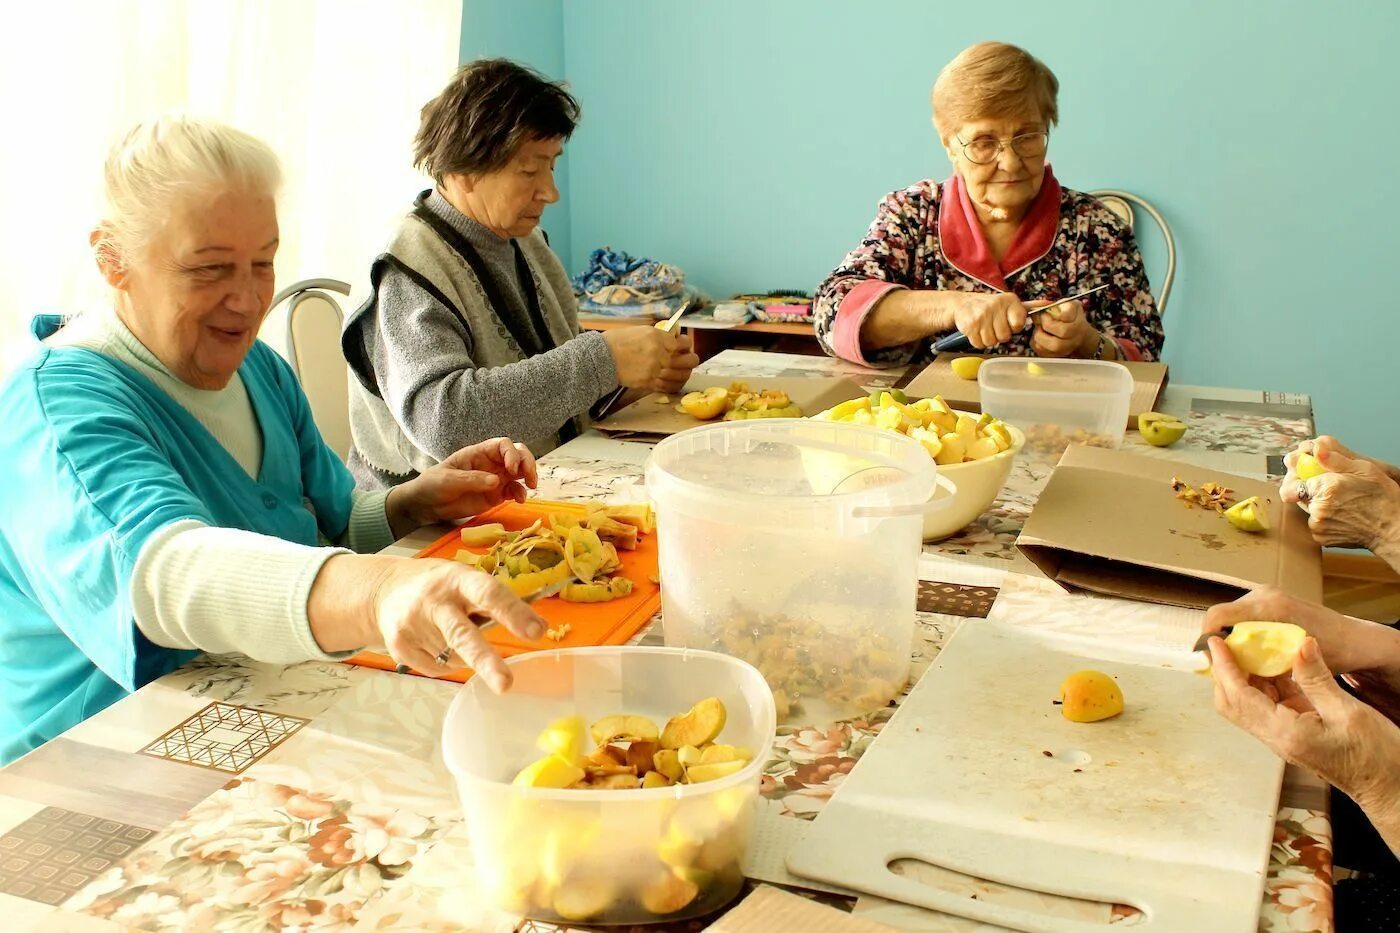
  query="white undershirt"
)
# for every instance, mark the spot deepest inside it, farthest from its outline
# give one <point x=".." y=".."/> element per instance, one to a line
<point x="224" y="590"/>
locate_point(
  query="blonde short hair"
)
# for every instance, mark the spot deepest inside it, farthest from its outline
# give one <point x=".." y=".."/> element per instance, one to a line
<point x="161" y="160"/>
<point x="993" y="79"/>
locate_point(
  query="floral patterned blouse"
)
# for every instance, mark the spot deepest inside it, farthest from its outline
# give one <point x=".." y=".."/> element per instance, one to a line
<point x="927" y="236"/>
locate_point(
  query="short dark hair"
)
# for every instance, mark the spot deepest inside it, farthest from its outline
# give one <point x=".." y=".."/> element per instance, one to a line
<point x="487" y="110"/>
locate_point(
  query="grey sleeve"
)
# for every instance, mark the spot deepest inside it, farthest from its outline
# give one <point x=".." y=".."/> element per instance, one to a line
<point x="421" y="353"/>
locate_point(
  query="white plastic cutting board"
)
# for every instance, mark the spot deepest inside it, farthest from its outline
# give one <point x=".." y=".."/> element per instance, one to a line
<point x="1172" y="811"/>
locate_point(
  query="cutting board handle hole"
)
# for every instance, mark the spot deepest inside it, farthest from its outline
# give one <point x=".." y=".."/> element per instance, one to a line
<point x="1033" y="901"/>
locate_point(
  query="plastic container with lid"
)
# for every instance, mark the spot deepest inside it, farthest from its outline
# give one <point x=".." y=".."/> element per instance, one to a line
<point x="606" y="856"/>
<point x="1058" y="402"/>
<point x="794" y="545"/>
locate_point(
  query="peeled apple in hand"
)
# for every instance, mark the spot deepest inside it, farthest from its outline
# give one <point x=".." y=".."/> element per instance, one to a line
<point x="1160" y="430"/>
<point x="1307" y="466"/>
<point x="1265" y="649"/>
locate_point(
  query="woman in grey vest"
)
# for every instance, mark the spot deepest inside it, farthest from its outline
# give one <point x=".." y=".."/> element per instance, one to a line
<point x="472" y="328"/>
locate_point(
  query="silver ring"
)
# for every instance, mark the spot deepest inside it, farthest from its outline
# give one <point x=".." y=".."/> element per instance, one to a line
<point x="443" y="655"/>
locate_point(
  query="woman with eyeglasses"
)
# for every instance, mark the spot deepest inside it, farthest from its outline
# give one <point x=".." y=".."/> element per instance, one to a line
<point x="979" y="252"/>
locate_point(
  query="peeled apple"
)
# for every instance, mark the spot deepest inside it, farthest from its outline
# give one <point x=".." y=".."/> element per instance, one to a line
<point x="1265" y="649"/>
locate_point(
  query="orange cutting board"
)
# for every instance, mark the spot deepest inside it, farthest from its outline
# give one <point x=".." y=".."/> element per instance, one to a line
<point x="610" y="623"/>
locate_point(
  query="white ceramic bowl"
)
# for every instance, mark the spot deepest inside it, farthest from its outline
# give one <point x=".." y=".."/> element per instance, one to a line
<point x="978" y="481"/>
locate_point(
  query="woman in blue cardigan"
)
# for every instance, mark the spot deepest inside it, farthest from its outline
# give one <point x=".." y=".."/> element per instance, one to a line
<point x="167" y="490"/>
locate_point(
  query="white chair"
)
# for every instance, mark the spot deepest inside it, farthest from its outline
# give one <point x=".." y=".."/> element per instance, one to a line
<point x="313" y="348"/>
<point x="1121" y="203"/>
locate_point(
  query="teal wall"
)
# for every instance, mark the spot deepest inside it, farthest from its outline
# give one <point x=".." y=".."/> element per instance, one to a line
<point x="530" y="31"/>
<point x="748" y="142"/>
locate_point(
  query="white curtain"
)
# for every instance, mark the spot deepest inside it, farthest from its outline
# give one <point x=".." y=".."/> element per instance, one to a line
<point x="334" y="86"/>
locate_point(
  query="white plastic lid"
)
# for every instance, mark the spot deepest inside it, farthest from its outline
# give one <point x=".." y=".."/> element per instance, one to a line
<point x="788" y="464"/>
<point x="1046" y="377"/>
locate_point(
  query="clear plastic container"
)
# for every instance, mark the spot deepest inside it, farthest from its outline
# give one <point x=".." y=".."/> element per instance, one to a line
<point x="1058" y="402"/>
<point x="606" y="856"/>
<point x="794" y="545"/>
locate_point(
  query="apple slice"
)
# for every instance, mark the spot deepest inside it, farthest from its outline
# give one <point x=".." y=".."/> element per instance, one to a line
<point x="1250" y="514"/>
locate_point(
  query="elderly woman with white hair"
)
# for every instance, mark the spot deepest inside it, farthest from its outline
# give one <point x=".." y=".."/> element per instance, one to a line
<point x="980" y="251"/>
<point x="168" y="492"/>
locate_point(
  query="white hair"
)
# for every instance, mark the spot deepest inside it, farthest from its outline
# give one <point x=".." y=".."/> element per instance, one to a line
<point x="159" y="161"/>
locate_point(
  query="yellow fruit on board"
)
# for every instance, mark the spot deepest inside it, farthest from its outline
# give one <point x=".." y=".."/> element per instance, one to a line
<point x="564" y="737"/>
<point x="626" y="728"/>
<point x="1307" y="466"/>
<point x="706" y="404"/>
<point x="965" y="367"/>
<point x="1265" y="649"/>
<point x="1090" y="696"/>
<point x="549" y="771"/>
<point x="702" y="724"/>
<point x="1160" y="430"/>
<point x="720" y="769"/>
<point x="1250" y="514"/>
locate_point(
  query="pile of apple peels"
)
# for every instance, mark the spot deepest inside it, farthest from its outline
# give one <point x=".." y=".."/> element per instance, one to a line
<point x="560" y="546"/>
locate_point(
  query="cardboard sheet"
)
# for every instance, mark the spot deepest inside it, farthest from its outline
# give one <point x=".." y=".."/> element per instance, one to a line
<point x="1149" y="379"/>
<point x="1109" y="522"/>
<point x="653" y="417"/>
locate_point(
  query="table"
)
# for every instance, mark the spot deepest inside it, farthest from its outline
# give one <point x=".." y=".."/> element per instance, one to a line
<point x="236" y="795"/>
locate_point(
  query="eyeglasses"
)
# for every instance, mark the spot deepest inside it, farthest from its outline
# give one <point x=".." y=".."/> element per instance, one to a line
<point x="984" y="151"/>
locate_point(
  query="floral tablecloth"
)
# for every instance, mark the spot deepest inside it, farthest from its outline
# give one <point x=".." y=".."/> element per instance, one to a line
<point x="232" y="795"/>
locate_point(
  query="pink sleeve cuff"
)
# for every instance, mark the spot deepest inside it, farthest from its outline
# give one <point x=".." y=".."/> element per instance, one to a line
<point x="851" y="315"/>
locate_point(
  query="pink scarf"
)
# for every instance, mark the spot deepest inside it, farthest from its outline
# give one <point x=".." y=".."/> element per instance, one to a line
<point x="965" y="247"/>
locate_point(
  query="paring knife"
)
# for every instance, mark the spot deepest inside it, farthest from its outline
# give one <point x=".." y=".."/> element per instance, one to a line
<point x="1203" y="643"/>
<point x="957" y="341"/>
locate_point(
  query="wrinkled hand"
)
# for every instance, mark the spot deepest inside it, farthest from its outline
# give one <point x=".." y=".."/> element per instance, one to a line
<point x="1355" y="503"/>
<point x="1062" y="331"/>
<point x="1350" y="644"/>
<point x="467" y="483"/>
<point x="989" y="320"/>
<point x="421" y="607"/>
<point x="651" y="359"/>
<point x="1307" y="719"/>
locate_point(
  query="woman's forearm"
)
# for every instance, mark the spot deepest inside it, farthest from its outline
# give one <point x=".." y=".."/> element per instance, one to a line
<point x="1381" y="804"/>
<point x="340" y="607"/>
<point x="905" y="316"/>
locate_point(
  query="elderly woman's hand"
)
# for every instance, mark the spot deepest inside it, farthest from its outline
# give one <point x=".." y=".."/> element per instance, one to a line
<point x="1355" y="503"/>
<point x="1307" y="719"/>
<point x="1062" y="331"/>
<point x="1350" y="644"/>
<point x="429" y="613"/>
<point x="650" y="359"/>
<point x="988" y="320"/>
<point x="467" y="483"/>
